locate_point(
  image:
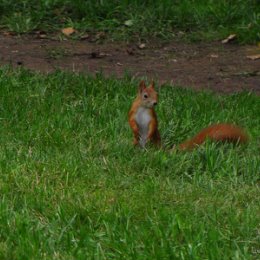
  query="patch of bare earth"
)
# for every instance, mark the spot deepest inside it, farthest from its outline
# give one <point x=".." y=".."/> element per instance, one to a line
<point x="219" y="67"/>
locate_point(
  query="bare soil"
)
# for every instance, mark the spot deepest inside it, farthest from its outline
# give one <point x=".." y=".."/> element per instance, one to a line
<point x="219" y="67"/>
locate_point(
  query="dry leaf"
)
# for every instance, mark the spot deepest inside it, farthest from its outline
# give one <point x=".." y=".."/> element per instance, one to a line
<point x="84" y="37"/>
<point x="141" y="46"/>
<point x="253" y="57"/>
<point x="40" y="34"/>
<point x="230" y="38"/>
<point x="214" y="56"/>
<point x="68" y="31"/>
<point x="100" y="35"/>
<point x="128" y="23"/>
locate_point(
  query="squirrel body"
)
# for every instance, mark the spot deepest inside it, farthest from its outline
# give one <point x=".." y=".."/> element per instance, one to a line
<point x="144" y="124"/>
<point x="142" y="117"/>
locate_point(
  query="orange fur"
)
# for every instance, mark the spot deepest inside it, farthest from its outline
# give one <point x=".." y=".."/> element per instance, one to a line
<point x="218" y="132"/>
<point x="142" y="117"/>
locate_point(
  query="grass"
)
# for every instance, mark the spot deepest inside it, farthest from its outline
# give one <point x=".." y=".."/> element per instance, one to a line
<point x="73" y="187"/>
<point x="196" y="19"/>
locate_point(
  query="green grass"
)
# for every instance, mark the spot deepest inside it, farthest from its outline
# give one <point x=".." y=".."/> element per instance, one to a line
<point x="73" y="187"/>
<point x="196" y="19"/>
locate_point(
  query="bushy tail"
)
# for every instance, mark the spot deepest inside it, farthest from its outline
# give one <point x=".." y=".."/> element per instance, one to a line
<point x="219" y="133"/>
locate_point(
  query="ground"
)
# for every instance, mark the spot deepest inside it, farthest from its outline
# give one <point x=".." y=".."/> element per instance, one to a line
<point x="216" y="66"/>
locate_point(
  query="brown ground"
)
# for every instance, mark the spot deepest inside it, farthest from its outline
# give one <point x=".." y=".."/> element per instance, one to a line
<point x="219" y="67"/>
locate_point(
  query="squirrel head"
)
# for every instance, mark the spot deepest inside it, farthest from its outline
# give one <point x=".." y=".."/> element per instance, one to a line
<point x="147" y="95"/>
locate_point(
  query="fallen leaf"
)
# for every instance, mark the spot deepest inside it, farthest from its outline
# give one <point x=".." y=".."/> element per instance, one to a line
<point x="84" y="37"/>
<point x="214" y="56"/>
<point x="128" y="23"/>
<point x="119" y="64"/>
<point x="100" y="35"/>
<point x="253" y="57"/>
<point x="141" y="46"/>
<point x="230" y="38"/>
<point x="68" y="31"/>
<point x="41" y="36"/>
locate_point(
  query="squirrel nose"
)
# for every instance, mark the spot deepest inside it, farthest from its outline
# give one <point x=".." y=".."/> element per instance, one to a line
<point x="154" y="103"/>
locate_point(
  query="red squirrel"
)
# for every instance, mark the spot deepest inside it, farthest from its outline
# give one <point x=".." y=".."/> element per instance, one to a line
<point x="142" y="117"/>
<point x="143" y="121"/>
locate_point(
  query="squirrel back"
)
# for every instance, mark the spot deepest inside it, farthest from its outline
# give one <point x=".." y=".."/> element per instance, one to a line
<point x="222" y="132"/>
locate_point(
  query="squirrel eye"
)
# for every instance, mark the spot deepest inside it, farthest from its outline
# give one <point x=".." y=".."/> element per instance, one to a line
<point x="145" y="96"/>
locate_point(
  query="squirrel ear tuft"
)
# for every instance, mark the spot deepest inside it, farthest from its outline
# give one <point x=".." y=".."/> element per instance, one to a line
<point x="142" y="86"/>
<point x="152" y="85"/>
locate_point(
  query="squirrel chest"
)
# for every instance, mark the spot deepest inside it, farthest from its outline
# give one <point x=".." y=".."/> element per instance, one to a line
<point x="143" y="118"/>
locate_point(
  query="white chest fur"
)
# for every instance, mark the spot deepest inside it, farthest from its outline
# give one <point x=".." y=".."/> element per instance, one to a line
<point x="143" y="119"/>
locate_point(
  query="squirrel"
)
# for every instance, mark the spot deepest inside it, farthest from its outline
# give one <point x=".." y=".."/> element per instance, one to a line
<point x="142" y="117"/>
<point x="143" y="121"/>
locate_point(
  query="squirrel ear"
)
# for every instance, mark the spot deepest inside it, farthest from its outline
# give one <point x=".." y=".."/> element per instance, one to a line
<point x="152" y="85"/>
<point x="142" y="86"/>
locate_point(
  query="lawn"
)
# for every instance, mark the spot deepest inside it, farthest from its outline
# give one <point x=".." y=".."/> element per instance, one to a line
<point x="136" y="19"/>
<point x="73" y="187"/>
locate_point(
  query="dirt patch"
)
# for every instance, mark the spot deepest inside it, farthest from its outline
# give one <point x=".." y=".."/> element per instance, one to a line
<point x="216" y="66"/>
